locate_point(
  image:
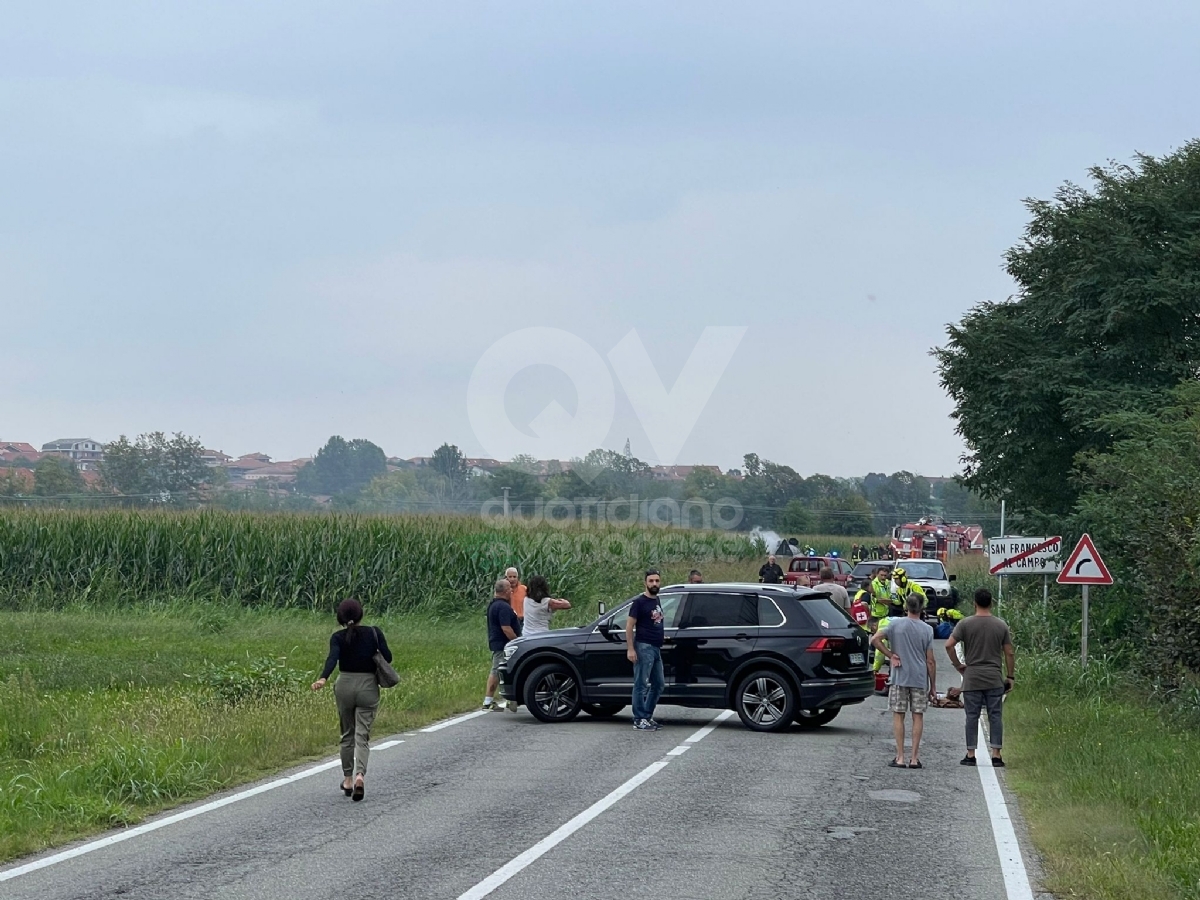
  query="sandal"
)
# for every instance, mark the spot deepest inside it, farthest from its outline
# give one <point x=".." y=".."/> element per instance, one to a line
<point x="359" y="791"/>
<point x="345" y="790"/>
<point x="915" y="765"/>
<point x="897" y="765"/>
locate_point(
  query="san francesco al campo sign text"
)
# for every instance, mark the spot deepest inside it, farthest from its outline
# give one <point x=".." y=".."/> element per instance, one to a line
<point x="1024" y="555"/>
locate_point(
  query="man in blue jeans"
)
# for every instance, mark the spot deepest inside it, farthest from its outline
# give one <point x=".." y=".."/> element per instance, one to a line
<point x="644" y="640"/>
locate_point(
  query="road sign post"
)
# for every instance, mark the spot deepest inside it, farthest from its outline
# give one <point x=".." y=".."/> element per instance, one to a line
<point x="1084" y="567"/>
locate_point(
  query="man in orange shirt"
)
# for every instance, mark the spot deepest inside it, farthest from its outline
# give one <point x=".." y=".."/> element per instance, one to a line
<point x="518" y="592"/>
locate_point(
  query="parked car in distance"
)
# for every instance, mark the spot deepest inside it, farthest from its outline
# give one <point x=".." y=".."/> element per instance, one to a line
<point x="864" y="571"/>
<point x="774" y="654"/>
<point x="804" y="571"/>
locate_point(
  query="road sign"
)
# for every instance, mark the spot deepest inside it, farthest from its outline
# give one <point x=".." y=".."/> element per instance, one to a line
<point x="1024" y="555"/>
<point x="1084" y="565"/>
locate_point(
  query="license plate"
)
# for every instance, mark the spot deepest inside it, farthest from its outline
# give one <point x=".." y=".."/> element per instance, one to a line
<point x="857" y="659"/>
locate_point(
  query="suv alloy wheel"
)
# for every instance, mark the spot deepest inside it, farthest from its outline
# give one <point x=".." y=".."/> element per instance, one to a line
<point x="552" y="693"/>
<point x="765" y="701"/>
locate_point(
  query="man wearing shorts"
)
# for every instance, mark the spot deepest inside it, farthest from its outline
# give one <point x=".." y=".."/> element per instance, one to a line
<point x="502" y="627"/>
<point x="908" y="642"/>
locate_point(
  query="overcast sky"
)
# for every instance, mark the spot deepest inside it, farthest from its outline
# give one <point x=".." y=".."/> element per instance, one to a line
<point x="263" y="224"/>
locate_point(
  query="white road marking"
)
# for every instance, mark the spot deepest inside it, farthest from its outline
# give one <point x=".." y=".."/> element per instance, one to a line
<point x="679" y="751"/>
<point x="1012" y="864"/>
<point x="560" y="834"/>
<point x="139" y="830"/>
<point x="440" y="725"/>
<point x="709" y="728"/>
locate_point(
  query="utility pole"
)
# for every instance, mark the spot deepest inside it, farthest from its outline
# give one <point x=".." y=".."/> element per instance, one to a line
<point x="1000" y="591"/>
<point x="507" y="512"/>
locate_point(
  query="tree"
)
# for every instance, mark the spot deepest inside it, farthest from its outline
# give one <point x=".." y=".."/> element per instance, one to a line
<point x="524" y="462"/>
<point x="154" y="466"/>
<point x="54" y="476"/>
<point x="342" y="467"/>
<point x="795" y="519"/>
<point x="1141" y="502"/>
<point x="522" y="486"/>
<point x="848" y="513"/>
<point x="449" y="462"/>
<point x="1107" y="319"/>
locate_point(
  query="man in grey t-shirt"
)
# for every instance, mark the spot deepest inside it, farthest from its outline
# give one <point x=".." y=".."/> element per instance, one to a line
<point x="908" y="642"/>
<point x="837" y="593"/>
<point x="987" y="655"/>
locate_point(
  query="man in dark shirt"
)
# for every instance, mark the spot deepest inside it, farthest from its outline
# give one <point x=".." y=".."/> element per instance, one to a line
<point x="502" y="627"/>
<point x="643" y="642"/>
<point x="770" y="573"/>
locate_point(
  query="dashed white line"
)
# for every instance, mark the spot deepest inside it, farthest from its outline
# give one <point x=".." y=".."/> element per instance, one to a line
<point x="456" y="720"/>
<point x="708" y="729"/>
<point x="1012" y="864"/>
<point x="560" y="834"/>
<point x="387" y="744"/>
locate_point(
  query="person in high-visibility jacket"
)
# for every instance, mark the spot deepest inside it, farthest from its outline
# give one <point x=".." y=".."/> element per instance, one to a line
<point x="880" y="659"/>
<point x="948" y="617"/>
<point x="901" y="588"/>
<point x="880" y="592"/>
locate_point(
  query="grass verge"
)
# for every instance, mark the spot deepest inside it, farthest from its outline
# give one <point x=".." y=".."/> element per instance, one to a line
<point x="1109" y="782"/>
<point x="105" y="718"/>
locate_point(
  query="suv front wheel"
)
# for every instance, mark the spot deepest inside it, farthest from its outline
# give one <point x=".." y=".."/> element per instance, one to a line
<point x="552" y="693"/>
<point x="765" y="701"/>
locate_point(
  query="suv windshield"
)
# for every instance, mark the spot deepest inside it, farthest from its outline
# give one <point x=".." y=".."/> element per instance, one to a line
<point x="924" y="569"/>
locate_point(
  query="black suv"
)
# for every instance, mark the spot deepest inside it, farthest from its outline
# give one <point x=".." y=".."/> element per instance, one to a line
<point x="774" y="653"/>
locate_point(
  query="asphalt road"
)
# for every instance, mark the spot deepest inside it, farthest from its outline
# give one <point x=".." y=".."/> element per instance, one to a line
<point x="806" y="814"/>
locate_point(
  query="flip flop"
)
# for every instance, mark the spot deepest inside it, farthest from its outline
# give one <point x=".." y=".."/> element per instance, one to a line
<point x="916" y="765"/>
<point x="895" y="765"/>
<point x="359" y="791"/>
<point x="346" y="790"/>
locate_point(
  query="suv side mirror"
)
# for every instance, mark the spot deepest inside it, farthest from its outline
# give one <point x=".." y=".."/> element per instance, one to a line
<point x="951" y="578"/>
<point x="603" y="608"/>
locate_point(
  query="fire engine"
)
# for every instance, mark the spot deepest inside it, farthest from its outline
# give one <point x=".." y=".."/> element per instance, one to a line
<point x="931" y="537"/>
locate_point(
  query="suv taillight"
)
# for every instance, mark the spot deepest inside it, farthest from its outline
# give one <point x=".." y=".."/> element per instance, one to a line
<point x="827" y="645"/>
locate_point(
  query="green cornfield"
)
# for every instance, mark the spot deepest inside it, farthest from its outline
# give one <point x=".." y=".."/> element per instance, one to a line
<point x="55" y="559"/>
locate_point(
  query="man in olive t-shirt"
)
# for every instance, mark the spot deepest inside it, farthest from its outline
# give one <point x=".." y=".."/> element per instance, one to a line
<point x="987" y="656"/>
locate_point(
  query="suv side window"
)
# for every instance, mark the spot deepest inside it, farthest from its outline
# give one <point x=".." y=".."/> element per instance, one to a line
<point x="721" y="611"/>
<point x="668" y="602"/>
<point x="768" y="613"/>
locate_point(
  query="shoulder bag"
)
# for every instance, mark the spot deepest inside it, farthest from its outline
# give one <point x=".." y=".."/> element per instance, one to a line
<point x="385" y="675"/>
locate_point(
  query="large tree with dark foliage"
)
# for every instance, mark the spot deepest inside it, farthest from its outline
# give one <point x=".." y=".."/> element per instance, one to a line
<point x="156" y="467"/>
<point x="341" y="467"/>
<point x="1107" y="319"/>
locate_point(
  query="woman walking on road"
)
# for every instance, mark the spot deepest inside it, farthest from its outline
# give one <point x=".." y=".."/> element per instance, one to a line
<point x="540" y="606"/>
<point x="357" y="691"/>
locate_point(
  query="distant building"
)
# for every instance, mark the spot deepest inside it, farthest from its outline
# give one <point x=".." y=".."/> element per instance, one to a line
<point x="280" y="472"/>
<point x="240" y="468"/>
<point x="214" y="458"/>
<point x="12" y="451"/>
<point x="680" y="473"/>
<point x="84" y="452"/>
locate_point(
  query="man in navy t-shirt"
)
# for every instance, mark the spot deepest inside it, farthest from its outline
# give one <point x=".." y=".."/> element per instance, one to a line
<point x="644" y="640"/>
<point x="503" y="627"/>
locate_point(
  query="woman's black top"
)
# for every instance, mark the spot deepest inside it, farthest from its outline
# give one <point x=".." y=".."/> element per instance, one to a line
<point x="355" y="655"/>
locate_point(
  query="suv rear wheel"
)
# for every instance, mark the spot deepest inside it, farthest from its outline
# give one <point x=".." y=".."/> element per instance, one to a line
<point x="765" y="701"/>
<point x="552" y="693"/>
<point x="815" y="718"/>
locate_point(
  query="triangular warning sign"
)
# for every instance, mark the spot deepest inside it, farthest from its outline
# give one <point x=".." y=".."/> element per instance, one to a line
<point x="1084" y="565"/>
